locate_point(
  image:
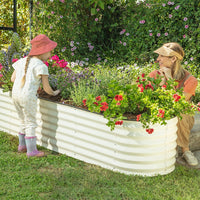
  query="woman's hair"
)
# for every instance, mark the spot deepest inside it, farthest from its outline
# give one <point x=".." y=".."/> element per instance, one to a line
<point x="178" y="73"/>
<point x="25" y="70"/>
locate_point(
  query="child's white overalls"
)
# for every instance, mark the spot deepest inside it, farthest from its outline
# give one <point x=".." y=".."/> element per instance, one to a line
<point x="25" y="99"/>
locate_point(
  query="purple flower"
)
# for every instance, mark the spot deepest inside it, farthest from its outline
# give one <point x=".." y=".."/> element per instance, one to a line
<point x="124" y="43"/>
<point x="185" y="19"/>
<point x="177" y="7"/>
<point x="186" y="26"/>
<point x="142" y="21"/>
<point x="163" y="4"/>
<point x="127" y="34"/>
<point x="191" y="58"/>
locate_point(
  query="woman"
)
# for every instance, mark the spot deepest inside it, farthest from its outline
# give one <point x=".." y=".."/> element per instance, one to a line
<point x="169" y="58"/>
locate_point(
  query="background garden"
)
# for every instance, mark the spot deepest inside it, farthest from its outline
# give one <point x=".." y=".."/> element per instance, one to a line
<point x="113" y="40"/>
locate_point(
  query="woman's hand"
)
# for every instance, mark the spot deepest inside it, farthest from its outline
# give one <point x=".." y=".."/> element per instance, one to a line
<point x="56" y="92"/>
<point x="166" y="72"/>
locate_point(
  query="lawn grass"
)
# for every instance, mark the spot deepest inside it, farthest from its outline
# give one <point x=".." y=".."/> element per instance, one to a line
<point x="57" y="176"/>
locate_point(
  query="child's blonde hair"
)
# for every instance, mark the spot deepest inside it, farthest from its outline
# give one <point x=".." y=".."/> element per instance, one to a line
<point x="25" y="70"/>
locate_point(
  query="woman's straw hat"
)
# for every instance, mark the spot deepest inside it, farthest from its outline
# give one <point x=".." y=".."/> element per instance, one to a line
<point x="41" y="44"/>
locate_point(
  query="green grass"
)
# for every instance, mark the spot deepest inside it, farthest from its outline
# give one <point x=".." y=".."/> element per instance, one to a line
<point x="57" y="177"/>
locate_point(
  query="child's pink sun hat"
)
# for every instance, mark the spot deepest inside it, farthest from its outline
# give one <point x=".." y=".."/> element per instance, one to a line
<point x="41" y="44"/>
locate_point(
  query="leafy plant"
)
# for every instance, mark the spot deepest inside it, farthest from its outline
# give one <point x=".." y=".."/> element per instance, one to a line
<point x="145" y="100"/>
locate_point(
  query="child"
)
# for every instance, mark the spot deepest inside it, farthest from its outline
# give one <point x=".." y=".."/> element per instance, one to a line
<point x="28" y="73"/>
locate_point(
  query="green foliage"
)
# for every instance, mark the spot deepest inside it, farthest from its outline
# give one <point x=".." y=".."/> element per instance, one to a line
<point x="7" y="21"/>
<point x="13" y="53"/>
<point x="144" y="98"/>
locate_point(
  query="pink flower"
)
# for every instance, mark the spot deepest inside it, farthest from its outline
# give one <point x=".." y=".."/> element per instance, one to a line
<point x="166" y="34"/>
<point x="14" y="60"/>
<point x="124" y="43"/>
<point x="52" y="12"/>
<point x="185" y="19"/>
<point x="62" y="63"/>
<point x="118" y="103"/>
<point x="62" y="1"/>
<point x="158" y="34"/>
<point x="170" y="16"/>
<point x="142" y="22"/>
<point x="1" y="75"/>
<point x="177" y="7"/>
<point x="186" y="26"/>
<point x="150" y="34"/>
<point x="184" y="36"/>
<point x="46" y="63"/>
<point x="55" y="57"/>
<point x="97" y="9"/>
<point x="96" y="19"/>
<point x="163" y="4"/>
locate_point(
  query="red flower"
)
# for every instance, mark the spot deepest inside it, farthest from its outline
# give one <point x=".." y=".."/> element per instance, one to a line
<point x="104" y="106"/>
<point x="161" y="113"/>
<point x="164" y="86"/>
<point x="198" y="109"/>
<point x="149" y="130"/>
<point x="138" y="117"/>
<point x="158" y="72"/>
<point x="84" y="102"/>
<point x="176" y="97"/>
<point x="143" y="75"/>
<point x="118" y="122"/>
<point x="198" y="104"/>
<point x="141" y="87"/>
<point x="98" y="98"/>
<point x="118" y="103"/>
<point x="96" y="103"/>
<point x="149" y="86"/>
<point x="118" y="97"/>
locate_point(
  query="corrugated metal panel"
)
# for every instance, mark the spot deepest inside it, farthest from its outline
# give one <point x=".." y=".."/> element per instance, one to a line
<point x="84" y="135"/>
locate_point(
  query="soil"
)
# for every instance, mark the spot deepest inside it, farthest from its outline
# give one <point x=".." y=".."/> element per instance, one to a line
<point x="42" y="94"/>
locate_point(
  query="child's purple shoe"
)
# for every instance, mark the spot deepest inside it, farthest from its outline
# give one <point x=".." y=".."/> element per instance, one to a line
<point x="35" y="153"/>
<point x="22" y="149"/>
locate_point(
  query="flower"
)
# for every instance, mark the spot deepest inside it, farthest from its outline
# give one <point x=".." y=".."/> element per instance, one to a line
<point x="186" y="26"/>
<point x="118" y="122"/>
<point x="84" y="102"/>
<point x="14" y="60"/>
<point x="118" y="97"/>
<point x="149" y="130"/>
<point x="143" y="99"/>
<point x="185" y="19"/>
<point x="98" y="98"/>
<point x="138" y="117"/>
<point x="158" y="34"/>
<point x="176" y="97"/>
